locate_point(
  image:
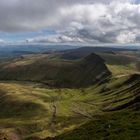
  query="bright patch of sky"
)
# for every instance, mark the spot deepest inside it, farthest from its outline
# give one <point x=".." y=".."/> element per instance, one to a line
<point x="20" y="36"/>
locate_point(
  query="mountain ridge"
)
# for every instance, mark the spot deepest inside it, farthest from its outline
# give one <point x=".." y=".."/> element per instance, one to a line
<point x="57" y="73"/>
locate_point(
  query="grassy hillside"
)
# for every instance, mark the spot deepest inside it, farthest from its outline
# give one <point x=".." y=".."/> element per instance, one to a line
<point x="43" y="97"/>
<point x="55" y="72"/>
<point x="119" y="61"/>
<point x="31" y="111"/>
<point x="118" y="126"/>
<point x="122" y="63"/>
<point x="120" y="113"/>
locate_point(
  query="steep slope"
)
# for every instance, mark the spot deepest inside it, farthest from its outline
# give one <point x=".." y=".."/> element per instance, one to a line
<point x="118" y="61"/>
<point x="118" y="126"/>
<point x="91" y="108"/>
<point x="120" y="101"/>
<point x="58" y="73"/>
<point x="110" y="110"/>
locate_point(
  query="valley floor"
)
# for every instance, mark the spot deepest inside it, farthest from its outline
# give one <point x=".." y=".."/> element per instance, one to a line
<point x="32" y="111"/>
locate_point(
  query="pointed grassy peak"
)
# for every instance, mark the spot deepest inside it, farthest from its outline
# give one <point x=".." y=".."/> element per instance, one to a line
<point x="93" y="57"/>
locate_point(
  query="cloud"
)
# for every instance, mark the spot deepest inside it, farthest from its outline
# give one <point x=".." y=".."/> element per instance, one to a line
<point x="18" y="15"/>
<point x="2" y="41"/>
<point x="55" y="39"/>
<point x="93" y="21"/>
<point x="103" y="23"/>
<point x="126" y="37"/>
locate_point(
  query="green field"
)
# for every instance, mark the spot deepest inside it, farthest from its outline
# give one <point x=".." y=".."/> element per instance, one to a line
<point x="32" y="111"/>
<point x="105" y="109"/>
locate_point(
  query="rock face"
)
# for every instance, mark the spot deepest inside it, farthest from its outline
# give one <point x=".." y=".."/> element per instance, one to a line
<point x="57" y="73"/>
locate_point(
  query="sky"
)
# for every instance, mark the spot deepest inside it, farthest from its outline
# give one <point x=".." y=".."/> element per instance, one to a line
<point x="70" y="21"/>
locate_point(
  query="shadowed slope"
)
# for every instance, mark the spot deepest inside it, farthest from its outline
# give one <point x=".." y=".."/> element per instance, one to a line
<point x="37" y="112"/>
<point x="32" y="111"/>
<point x="57" y="73"/>
<point x="121" y="106"/>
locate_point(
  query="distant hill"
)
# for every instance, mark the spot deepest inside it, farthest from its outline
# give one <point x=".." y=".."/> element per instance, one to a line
<point x="58" y="73"/>
<point x="84" y="51"/>
<point x="13" y="51"/>
<point x="120" y="61"/>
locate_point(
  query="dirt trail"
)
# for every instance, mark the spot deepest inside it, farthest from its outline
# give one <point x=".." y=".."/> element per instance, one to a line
<point x="53" y="117"/>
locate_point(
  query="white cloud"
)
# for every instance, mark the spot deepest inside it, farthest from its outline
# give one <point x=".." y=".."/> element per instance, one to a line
<point x="105" y="23"/>
<point x="2" y="41"/>
<point x="126" y="37"/>
<point x="55" y="39"/>
<point x="94" y="21"/>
